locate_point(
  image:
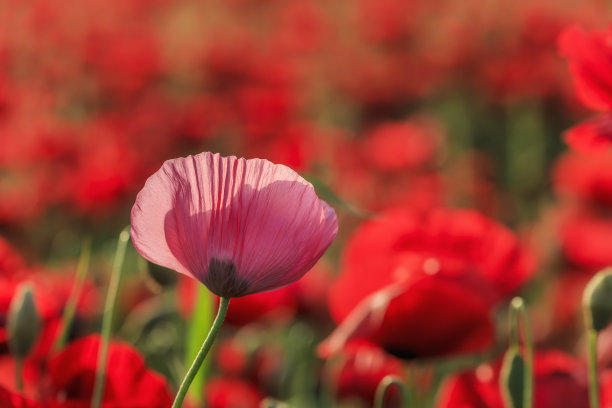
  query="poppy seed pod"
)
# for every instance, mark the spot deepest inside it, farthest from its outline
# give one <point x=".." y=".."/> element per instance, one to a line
<point x="23" y="322"/>
<point x="238" y="226"/>
<point x="597" y="300"/>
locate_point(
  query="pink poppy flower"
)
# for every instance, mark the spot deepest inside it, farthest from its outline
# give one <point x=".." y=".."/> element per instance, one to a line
<point x="238" y="226"/>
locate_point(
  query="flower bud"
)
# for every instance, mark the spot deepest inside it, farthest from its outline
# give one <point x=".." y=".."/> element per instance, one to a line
<point x="597" y="300"/>
<point x="23" y="322"/>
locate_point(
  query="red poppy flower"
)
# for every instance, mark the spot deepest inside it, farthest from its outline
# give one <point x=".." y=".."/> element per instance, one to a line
<point x="51" y="291"/>
<point x="440" y="273"/>
<point x="560" y="382"/>
<point x="67" y="380"/>
<point x="584" y="239"/>
<point x="231" y="393"/>
<point x="396" y="146"/>
<point x="361" y="369"/>
<point x="590" y="59"/>
<point x="12" y="399"/>
<point x="10" y="261"/>
<point x="231" y="358"/>
<point x="129" y="384"/>
<point x="592" y="135"/>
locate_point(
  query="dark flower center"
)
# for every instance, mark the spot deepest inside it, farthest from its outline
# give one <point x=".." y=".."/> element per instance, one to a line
<point x="223" y="280"/>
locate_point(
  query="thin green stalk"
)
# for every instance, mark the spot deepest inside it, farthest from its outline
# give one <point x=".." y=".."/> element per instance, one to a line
<point x="383" y="388"/>
<point x="107" y="318"/>
<point x="529" y="355"/>
<point x="77" y="288"/>
<point x="206" y="346"/>
<point x="519" y="322"/>
<point x="329" y="384"/>
<point x="593" y="377"/>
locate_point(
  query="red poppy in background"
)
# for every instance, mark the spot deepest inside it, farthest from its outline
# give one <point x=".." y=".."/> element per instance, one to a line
<point x="231" y="393"/>
<point x="10" y="261"/>
<point x="67" y="379"/>
<point x="593" y="135"/>
<point x="361" y="369"/>
<point x="584" y="186"/>
<point x="585" y="239"/>
<point x="590" y="60"/>
<point x="424" y="284"/>
<point x="397" y="146"/>
<point x="51" y="292"/>
<point x="560" y="382"/>
<point x="585" y="179"/>
<point x="11" y="399"/>
<point x="129" y="383"/>
<point x="590" y="64"/>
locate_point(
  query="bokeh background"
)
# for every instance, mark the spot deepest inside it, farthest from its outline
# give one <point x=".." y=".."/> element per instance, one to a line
<point x="381" y="104"/>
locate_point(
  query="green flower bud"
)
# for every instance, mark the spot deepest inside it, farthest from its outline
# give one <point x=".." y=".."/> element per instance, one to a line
<point x="597" y="300"/>
<point x="23" y="322"/>
<point x="512" y="379"/>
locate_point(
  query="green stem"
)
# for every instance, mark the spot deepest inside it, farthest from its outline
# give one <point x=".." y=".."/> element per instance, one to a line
<point x="107" y="318"/>
<point x="593" y="377"/>
<point x="529" y="356"/>
<point x="197" y="363"/>
<point x="383" y="388"/>
<point x="518" y="315"/>
<point x="71" y="305"/>
<point x="329" y="385"/>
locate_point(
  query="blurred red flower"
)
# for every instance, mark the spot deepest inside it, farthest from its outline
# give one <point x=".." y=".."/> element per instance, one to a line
<point x="560" y="382"/>
<point x="361" y="368"/>
<point x="129" y="384"/>
<point x="584" y="187"/>
<point x="11" y="263"/>
<point x="400" y="146"/>
<point x="589" y="55"/>
<point x="584" y="179"/>
<point x="51" y="292"/>
<point x="424" y="284"/>
<point x="231" y="393"/>
<point x="590" y="60"/>
<point x="67" y="379"/>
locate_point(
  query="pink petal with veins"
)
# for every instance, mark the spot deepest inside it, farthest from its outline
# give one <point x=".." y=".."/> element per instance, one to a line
<point x="238" y="226"/>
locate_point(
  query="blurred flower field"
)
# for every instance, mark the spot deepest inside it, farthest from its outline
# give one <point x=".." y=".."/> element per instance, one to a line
<point x="464" y="147"/>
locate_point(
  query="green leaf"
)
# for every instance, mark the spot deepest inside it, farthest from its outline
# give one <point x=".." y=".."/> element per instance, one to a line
<point x="199" y="325"/>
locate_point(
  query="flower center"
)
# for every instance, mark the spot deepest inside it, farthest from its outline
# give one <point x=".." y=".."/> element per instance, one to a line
<point x="223" y="280"/>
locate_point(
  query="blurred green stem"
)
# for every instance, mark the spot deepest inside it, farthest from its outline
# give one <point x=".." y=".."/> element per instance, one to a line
<point x="593" y="377"/>
<point x="71" y="305"/>
<point x="206" y="346"/>
<point x="384" y="386"/>
<point x="107" y="318"/>
<point x="519" y="321"/>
